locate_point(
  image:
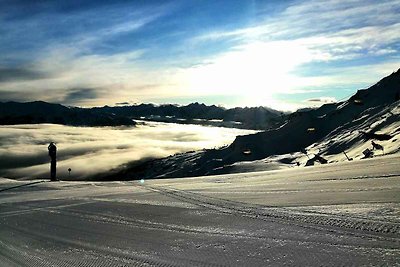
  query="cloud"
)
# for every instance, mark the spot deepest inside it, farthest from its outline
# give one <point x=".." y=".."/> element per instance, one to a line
<point x="89" y="151"/>
<point x="338" y="29"/>
<point x="71" y="49"/>
<point x="14" y="96"/>
<point x="80" y="94"/>
<point x="114" y="50"/>
<point x="338" y="41"/>
<point x="122" y="103"/>
<point x="20" y="74"/>
<point x="89" y="79"/>
<point x="322" y="100"/>
<point x="314" y="17"/>
<point x="73" y="25"/>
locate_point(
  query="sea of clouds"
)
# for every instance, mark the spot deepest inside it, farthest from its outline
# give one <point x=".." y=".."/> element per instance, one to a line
<point x="93" y="150"/>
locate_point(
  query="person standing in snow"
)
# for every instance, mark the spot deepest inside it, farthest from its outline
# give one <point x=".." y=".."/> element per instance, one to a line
<point x="377" y="146"/>
<point x="53" y="165"/>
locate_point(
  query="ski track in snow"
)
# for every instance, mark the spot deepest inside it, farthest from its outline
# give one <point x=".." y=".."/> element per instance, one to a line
<point x="185" y="223"/>
<point x="284" y="215"/>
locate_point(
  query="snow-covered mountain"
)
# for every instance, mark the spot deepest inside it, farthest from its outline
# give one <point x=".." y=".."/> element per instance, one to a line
<point x="371" y="114"/>
<point x="367" y="112"/>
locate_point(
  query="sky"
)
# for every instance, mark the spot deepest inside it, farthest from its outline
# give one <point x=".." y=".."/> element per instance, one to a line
<point x="284" y="54"/>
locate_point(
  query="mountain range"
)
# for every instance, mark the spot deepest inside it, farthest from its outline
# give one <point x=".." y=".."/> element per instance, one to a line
<point x="43" y="112"/>
<point x="198" y="113"/>
<point x="195" y="113"/>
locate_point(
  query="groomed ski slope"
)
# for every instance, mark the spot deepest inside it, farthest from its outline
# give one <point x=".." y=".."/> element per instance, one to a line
<point x="330" y="215"/>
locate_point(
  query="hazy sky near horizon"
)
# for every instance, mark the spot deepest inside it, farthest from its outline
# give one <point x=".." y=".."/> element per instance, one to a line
<point x="279" y="53"/>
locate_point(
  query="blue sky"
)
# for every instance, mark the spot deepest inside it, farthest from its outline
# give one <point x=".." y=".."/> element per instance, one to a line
<point x="283" y="54"/>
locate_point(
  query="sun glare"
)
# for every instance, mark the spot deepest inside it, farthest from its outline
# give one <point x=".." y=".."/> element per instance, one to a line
<point x="255" y="71"/>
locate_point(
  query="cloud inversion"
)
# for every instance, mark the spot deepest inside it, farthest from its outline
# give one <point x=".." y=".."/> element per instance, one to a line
<point x="92" y="150"/>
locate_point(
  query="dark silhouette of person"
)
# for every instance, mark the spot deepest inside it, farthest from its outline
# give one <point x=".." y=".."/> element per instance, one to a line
<point x="53" y="155"/>
<point x="377" y="146"/>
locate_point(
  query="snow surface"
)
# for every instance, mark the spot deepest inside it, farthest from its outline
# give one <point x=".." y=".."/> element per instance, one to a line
<point x="340" y="214"/>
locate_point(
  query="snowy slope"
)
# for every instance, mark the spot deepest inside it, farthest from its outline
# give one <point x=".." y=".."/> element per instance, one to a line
<point x="360" y="112"/>
<point x="328" y="131"/>
<point x="351" y="137"/>
<point x="342" y="214"/>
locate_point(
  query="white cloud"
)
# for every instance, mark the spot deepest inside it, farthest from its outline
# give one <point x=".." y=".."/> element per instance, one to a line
<point x="93" y="150"/>
<point x="116" y="77"/>
<point x="340" y="29"/>
<point x="73" y="62"/>
<point x="321" y="100"/>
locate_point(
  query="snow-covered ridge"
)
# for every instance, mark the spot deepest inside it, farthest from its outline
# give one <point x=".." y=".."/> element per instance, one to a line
<point x="326" y="133"/>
